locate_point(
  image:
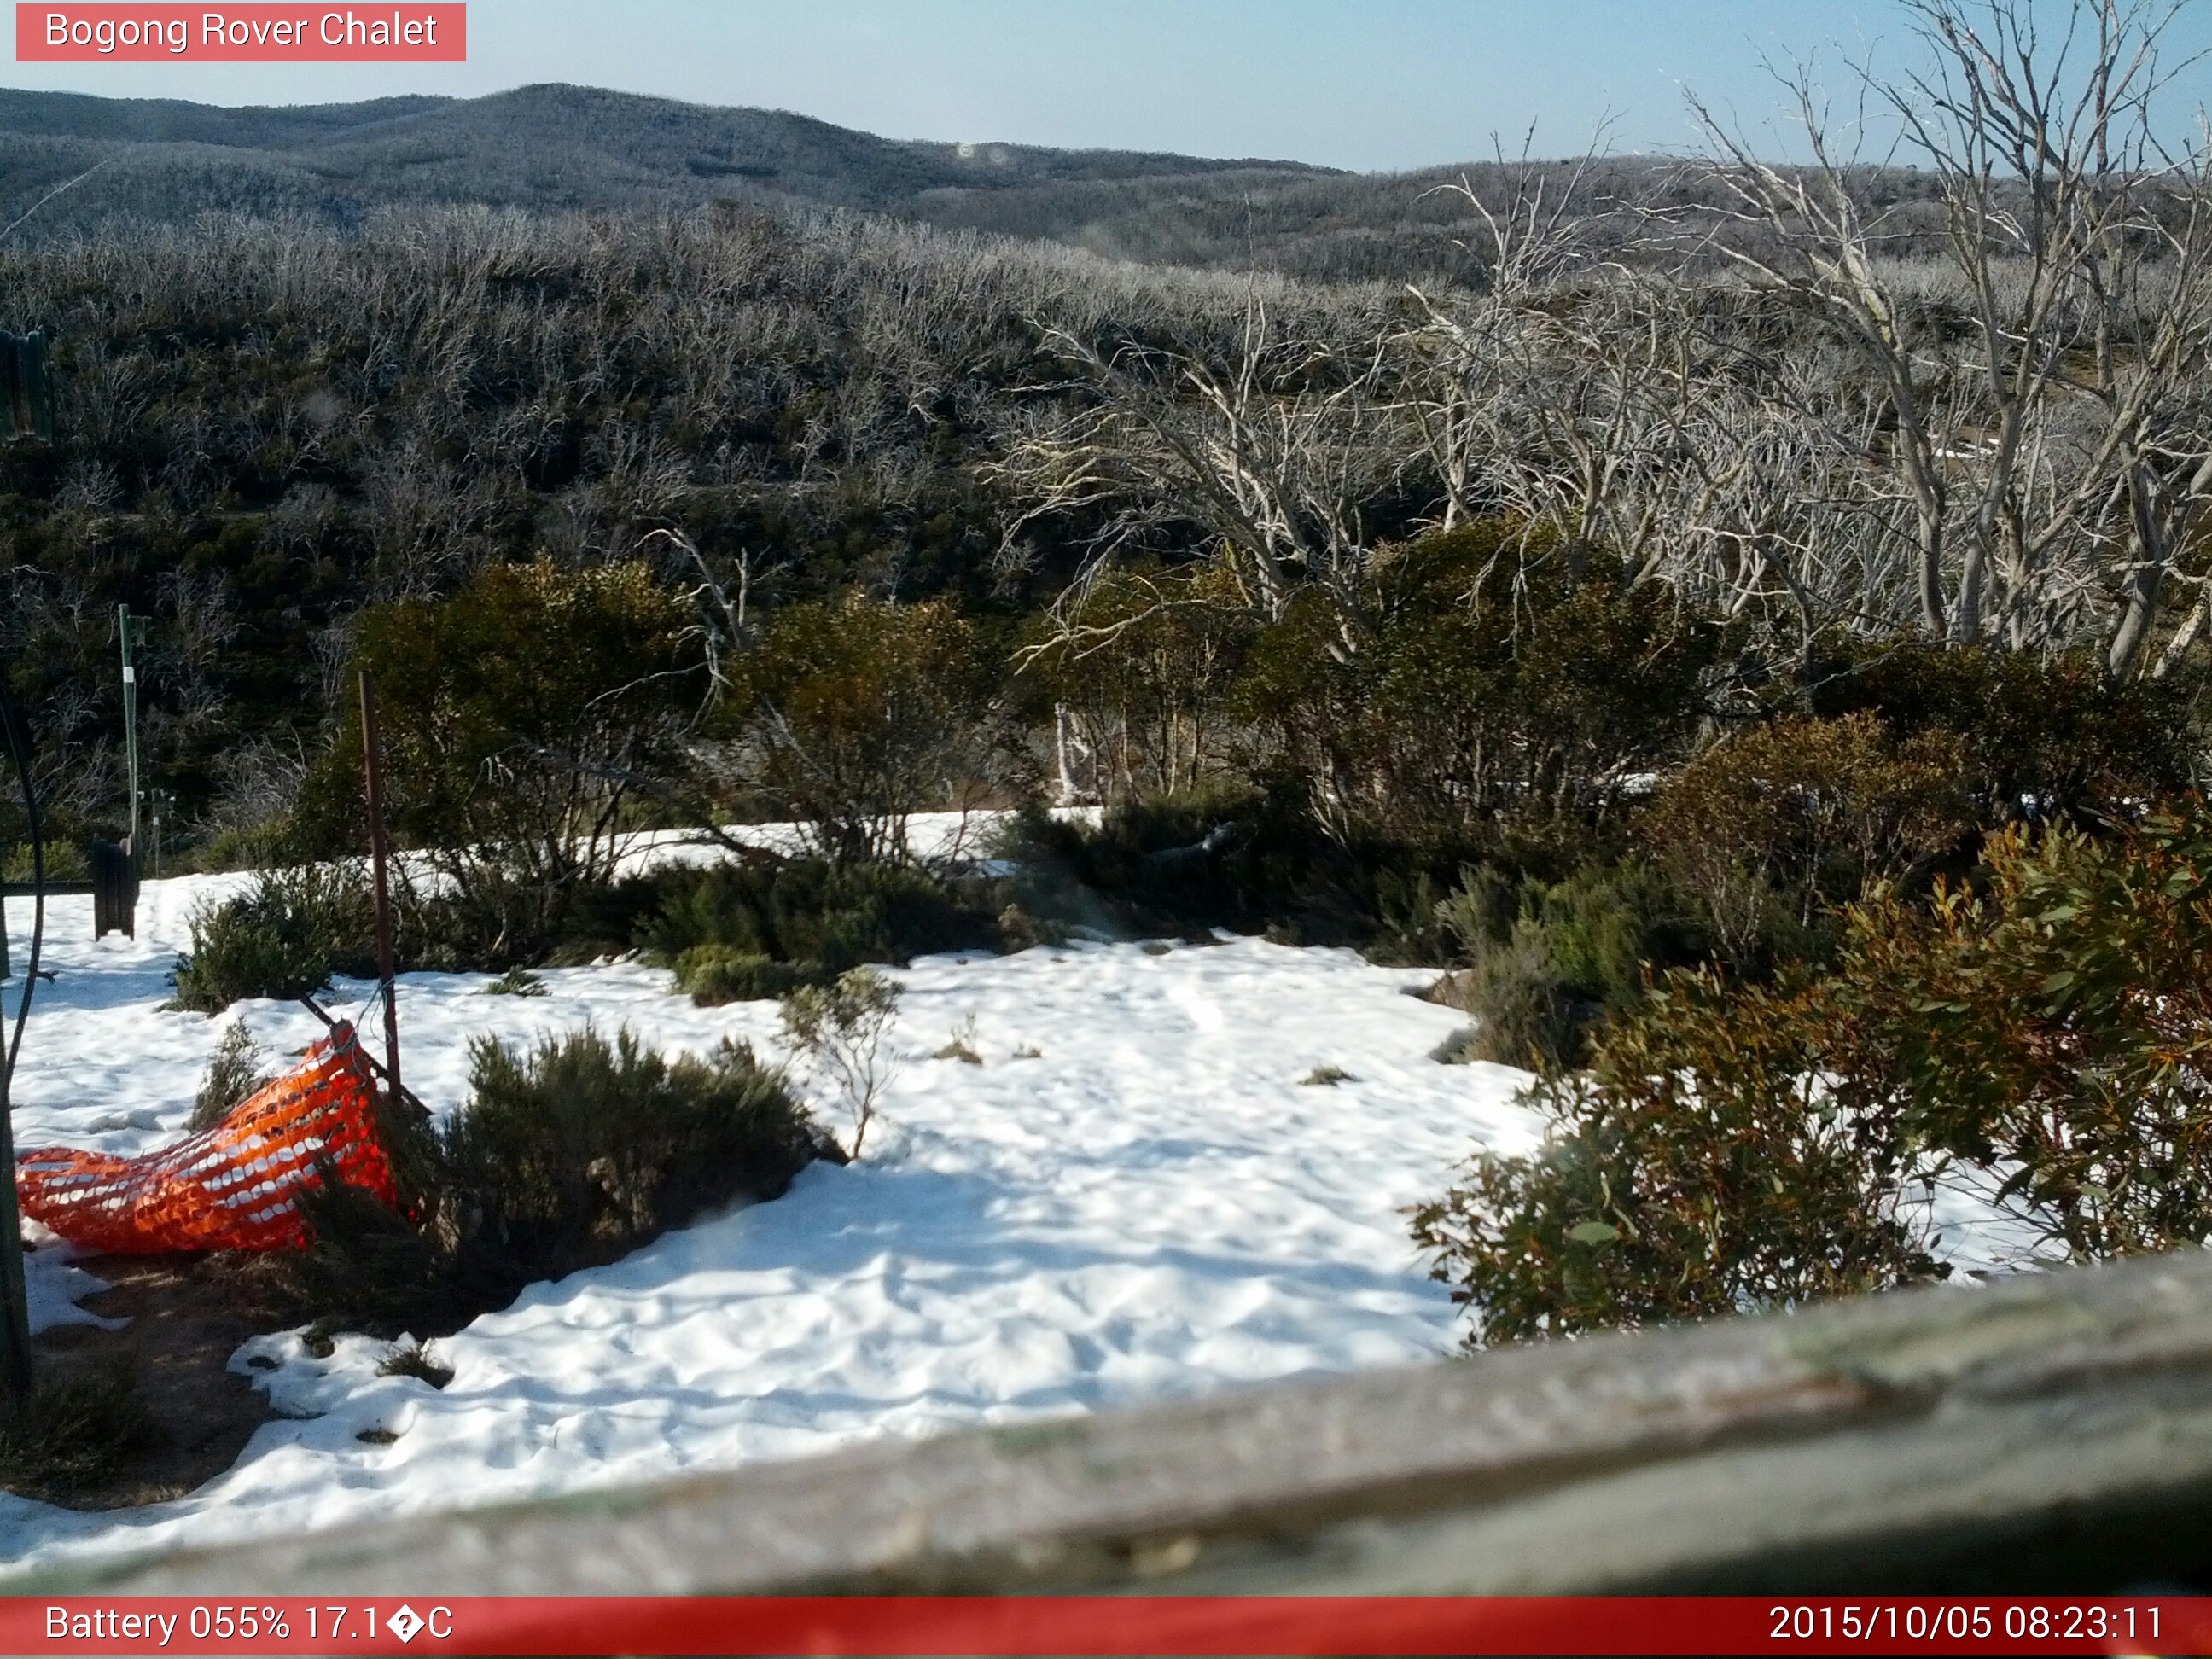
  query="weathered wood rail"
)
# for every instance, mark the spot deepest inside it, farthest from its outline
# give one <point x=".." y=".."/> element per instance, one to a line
<point x="2052" y="1434"/>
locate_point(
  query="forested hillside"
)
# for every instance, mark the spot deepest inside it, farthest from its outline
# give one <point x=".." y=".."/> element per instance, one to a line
<point x="552" y="148"/>
<point x="266" y="425"/>
<point x="545" y="148"/>
<point x="267" y="422"/>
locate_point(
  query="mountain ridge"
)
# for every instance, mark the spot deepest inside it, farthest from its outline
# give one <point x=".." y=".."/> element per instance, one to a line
<point x="547" y="145"/>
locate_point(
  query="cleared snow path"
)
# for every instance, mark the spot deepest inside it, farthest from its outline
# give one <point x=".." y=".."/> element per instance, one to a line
<point x="1152" y="1205"/>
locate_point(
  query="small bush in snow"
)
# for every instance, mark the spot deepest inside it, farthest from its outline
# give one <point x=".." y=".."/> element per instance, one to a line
<point x="233" y="1075"/>
<point x="516" y="982"/>
<point x="285" y="937"/>
<point x="827" y="918"/>
<point x="1526" y="1013"/>
<point x="962" y="1047"/>
<point x="840" y="1030"/>
<point x="717" y="974"/>
<point x="1697" y="1168"/>
<point x="365" y="1268"/>
<point x="415" y="1360"/>
<point x="566" y="1156"/>
<point x="582" y="1149"/>
<point x="1548" y="962"/>
<point x="1738" y="1145"/>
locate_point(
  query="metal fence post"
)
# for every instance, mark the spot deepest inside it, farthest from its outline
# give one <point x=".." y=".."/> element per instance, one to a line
<point x="380" y="852"/>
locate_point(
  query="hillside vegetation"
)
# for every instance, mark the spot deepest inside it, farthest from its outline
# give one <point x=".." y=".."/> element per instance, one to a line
<point x="1678" y="637"/>
<point x="556" y="149"/>
<point x="268" y="424"/>
<point x="545" y="148"/>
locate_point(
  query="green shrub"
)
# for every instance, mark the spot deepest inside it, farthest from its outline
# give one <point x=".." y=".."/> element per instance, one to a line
<point x="1525" y="1012"/>
<point x="1734" y="1146"/>
<point x="283" y="938"/>
<point x="864" y="712"/>
<point x="1479" y="912"/>
<point x="566" y="1157"/>
<point x="1807" y="812"/>
<point x="826" y="917"/>
<point x="712" y="975"/>
<point x="531" y="723"/>
<point x="1136" y="696"/>
<point x="1697" y="1168"/>
<point x="582" y="1149"/>
<point x="64" y="861"/>
<point x="254" y="847"/>
<point x="501" y="918"/>
<point x="1494" y="672"/>
<point x="1548" y="962"/>
<point x="2044" y="737"/>
<point x="1124" y="873"/>
<point x="366" y="1267"/>
<point x="516" y="714"/>
<point x="516" y="982"/>
<point x="490" y="911"/>
<point x="234" y="1074"/>
<point x="2054" y="1020"/>
<point x="1251" y="863"/>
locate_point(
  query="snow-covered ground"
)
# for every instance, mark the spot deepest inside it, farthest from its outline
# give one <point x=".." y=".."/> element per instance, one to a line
<point x="1133" y="1196"/>
<point x="1149" y="1204"/>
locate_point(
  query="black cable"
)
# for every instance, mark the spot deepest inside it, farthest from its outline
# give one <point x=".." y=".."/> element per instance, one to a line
<point x="15" y="1301"/>
<point x="11" y="724"/>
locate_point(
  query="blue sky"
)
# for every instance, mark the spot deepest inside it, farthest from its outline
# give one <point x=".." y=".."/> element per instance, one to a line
<point x="1369" y="84"/>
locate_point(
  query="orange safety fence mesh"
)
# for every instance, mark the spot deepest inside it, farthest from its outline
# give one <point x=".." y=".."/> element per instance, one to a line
<point x="230" y="1187"/>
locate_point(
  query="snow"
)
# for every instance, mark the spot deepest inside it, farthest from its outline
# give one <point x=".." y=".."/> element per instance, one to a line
<point x="1153" y="1205"/>
<point x="1134" y="1197"/>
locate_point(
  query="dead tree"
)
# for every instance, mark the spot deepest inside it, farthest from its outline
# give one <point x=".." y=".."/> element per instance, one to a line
<point x="2046" y="425"/>
<point x="1271" y="459"/>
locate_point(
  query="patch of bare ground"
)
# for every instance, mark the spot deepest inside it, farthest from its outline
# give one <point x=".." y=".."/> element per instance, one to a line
<point x="184" y="1323"/>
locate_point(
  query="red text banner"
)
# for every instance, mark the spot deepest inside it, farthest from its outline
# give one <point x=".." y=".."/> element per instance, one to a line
<point x="1117" y="1624"/>
<point x="255" y="33"/>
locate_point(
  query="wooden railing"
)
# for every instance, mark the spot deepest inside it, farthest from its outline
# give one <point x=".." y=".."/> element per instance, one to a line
<point x="2052" y="1433"/>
